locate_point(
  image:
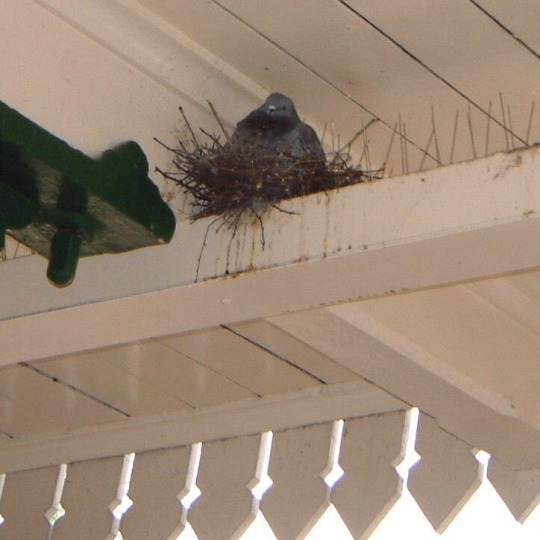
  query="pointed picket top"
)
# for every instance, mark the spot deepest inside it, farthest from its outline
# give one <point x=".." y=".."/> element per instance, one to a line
<point x="484" y="515"/>
<point x="408" y="456"/>
<point x="2" y="484"/>
<point x="261" y="483"/>
<point x="122" y="503"/>
<point x="184" y="531"/>
<point x="256" y="527"/>
<point x="326" y="523"/>
<point x="481" y="513"/>
<point x="403" y="520"/>
<point x="531" y="524"/>
<point x="57" y="511"/>
<point x="333" y="470"/>
<point x="188" y="495"/>
<point x="191" y="492"/>
<point x="401" y="513"/>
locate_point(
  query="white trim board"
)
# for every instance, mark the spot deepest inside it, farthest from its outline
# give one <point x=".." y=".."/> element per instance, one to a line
<point x="323" y="404"/>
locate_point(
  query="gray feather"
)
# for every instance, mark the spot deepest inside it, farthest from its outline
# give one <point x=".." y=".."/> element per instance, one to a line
<point x="276" y="128"/>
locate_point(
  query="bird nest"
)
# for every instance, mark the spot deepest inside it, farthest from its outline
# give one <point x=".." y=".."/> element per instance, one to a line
<point x="226" y="181"/>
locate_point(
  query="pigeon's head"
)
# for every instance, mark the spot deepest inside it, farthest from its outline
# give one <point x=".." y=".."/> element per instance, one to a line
<point x="281" y="109"/>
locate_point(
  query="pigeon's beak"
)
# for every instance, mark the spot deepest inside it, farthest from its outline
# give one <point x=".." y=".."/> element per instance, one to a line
<point x="271" y="108"/>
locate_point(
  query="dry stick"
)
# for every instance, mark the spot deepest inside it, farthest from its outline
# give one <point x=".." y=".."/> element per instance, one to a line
<point x="435" y="135"/>
<point x="261" y="223"/>
<point x="387" y="157"/>
<point x="401" y="145"/>
<point x="510" y="126"/>
<point x="323" y="135"/>
<point x="218" y="119"/>
<point x="170" y="149"/>
<point x="530" y="123"/>
<point x="211" y="136"/>
<point x="324" y="132"/>
<point x="473" y="146"/>
<point x="504" y="121"/>
<point x="365" y="150"/>
<point x="169" y="177"/>
<point x="199" y="259"/>
<point x="454" y="137"/>
<point x="362" y="155"/>
<point x="235" y="224"/>
<point x="355" y="136"/>
<point x="487" y="129"/>
<point x="288" y="212"/>
<point x="193" y="138"/>
<point x="425" y="153"/>
<point x="366" y="146"/>
<point x="405" y="148"/>
<point x="362" y="158"/>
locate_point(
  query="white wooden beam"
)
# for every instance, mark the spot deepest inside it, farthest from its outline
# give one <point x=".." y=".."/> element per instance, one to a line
<point x="457" y="223"/>
<point x="317" y="405"/>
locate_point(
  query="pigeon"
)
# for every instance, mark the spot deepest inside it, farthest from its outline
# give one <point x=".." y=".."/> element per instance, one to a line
<point x="275" y="129"/>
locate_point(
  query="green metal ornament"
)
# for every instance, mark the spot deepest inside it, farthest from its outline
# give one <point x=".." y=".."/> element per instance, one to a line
<point x="63" y="204"/>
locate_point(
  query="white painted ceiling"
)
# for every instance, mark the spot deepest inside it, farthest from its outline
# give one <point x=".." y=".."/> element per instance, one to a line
<point x="455" y="80"/>
<point x="414" y="65"/>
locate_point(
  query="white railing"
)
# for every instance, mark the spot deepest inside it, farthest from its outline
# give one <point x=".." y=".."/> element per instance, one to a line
<point x="379" y="477"/>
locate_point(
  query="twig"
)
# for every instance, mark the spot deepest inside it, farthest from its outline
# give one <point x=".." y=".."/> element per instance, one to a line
<point x="530" y="123"/>
<point x="435" y="135"/>
<point x="504" y="121"/>
<point x="426" y="150"/>
<point x="402" y="145"/>
<point x="454" y="137"/>
<point x="193" y="138"/>
<point x="218" y="119"/>
<point x="487" y="128"/>
<point x="356" y="135"/>
<point x="405" y="140"/>
<point x="510" y="126"/>
<point x="387" y="157"/>
<point x="469" y="119"/>
<point x="199" y="258"/>
<point x="161" y="143"/>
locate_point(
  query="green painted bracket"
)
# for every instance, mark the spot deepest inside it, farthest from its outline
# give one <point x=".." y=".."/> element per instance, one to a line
<point x="63" y="204"/>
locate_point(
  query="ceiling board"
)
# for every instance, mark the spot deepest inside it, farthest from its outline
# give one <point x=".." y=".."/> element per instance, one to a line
<point x="237" y="359"/>
<point x="37" y="403"/>
<point x="301" y="354"/>
<point x="521" y="17"/>
<point x="175" y="374"/>
<point x="93" y="374"/>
